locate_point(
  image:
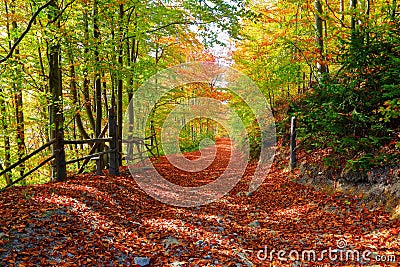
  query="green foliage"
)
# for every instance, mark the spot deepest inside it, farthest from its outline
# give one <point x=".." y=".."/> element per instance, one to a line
<point x="135" y="39"/>
<point x="370" y="160"/>
<point x="390" y="110"/>
<point x="189" y="142"/>
<point x="254" y="135"/>
<point x="356" y="110"/>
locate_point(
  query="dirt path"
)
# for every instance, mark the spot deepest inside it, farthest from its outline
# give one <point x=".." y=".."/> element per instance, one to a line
<point x="110" y="221"/>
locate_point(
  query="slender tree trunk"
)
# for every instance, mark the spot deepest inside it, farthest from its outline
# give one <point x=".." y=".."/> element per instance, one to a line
<point x="132" y="54"/>
<point x="353" y="5"/>
<point x="319" y="37"/>
<point x="105" y="96"/>
<point x="18" y="102"/>
<point x="342" y="10"/>
<point x="4" y="126"/>
<point x="86" y="95"/>
<point x="368" y="11"/>
<point x="56" y="105"/>
<point x="394" y="7"/>
<point x="97" y="81"/>
<point x="43" y="108"/>
<point x="97" y="78"/>
<point x="74" y="93"/>
<point x="20" y="133"/>
<point x="3" y="111"/>
<point x="120" y="81"/>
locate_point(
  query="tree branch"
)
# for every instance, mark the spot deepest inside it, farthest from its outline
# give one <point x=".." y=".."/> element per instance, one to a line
<point x="62" y="11"/>
<point x="334" y="14"/>
<point x="26" y="30"/>
<point x="166" y="25"/>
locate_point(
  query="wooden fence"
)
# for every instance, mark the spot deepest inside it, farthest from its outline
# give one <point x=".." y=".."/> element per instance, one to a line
<point x="59" y="159"/>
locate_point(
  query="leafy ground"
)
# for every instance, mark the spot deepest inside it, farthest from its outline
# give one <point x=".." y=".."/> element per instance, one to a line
<point x="110" y="221"/>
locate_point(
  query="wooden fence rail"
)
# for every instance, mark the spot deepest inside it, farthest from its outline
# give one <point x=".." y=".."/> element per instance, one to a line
<point x="139" y="142"/>
<point x="87" y="141"/>
<point x="60" y="163"/>
<point x="93" y="149"/>
<point x="33" y="153"/>
<point x="28" y="173"/>
<point x="90" y="156"/>
<point x="113" y="151"/>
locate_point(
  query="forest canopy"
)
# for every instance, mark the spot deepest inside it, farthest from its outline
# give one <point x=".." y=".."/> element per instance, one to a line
<point x="333" y="64"/>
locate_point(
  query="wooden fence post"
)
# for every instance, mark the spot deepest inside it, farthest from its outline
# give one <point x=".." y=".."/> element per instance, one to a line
<point x="154" y="138"/>
<point x="292" y="162"/>
<point x="151" y="134"/>
<point x="113" y="133"/>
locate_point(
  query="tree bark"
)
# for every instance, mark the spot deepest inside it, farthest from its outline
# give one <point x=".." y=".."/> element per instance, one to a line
<point x="353" y="5"/>
<point x="78" y="118"/>
<point x="132" y="52"/>
<point x="342" y="10"/>
<point x="368" y="11"/>
<point x="86" y="95"/>
<point x="56" y="105"/>
<point x="97" y="81"/>
<point x="18" y="102"/>
<point x="393" y="11"/>
<point x="120" y="81"/>
<point x="7" y="146"/>
<point x="319" y="37"/>
<point x="104" y="87"/>
<point x="43" y="108"/>
<point x="3" y="111"/>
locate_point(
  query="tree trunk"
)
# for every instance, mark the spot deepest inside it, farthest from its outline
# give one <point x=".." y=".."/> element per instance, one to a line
<point x="7" y="146"/>
<point x="97" y="81"/>
<point x="56" y="105"/>
<point x="86" y="95"/>
<point x="120" y="81"/>
<point x="353" y="5"/>
<point x="18" y="102"/>
<point x="105" y="95"/>
<point x="3" y="111"/>
<point x="74" y="93"/>
<point x="342" y="10"/>
<point x="368" y="11"/>
<point x="321" y="67"/>
<point x="132" y="52"/>
<point x="43" y="108"/>
<point x="394" y="7"/>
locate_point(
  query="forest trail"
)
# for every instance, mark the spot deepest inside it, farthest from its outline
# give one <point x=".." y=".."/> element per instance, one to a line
<point x="110" y="221"/>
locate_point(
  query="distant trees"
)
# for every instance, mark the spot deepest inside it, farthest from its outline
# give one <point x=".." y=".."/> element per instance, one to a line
<point x="78" y="58"/>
